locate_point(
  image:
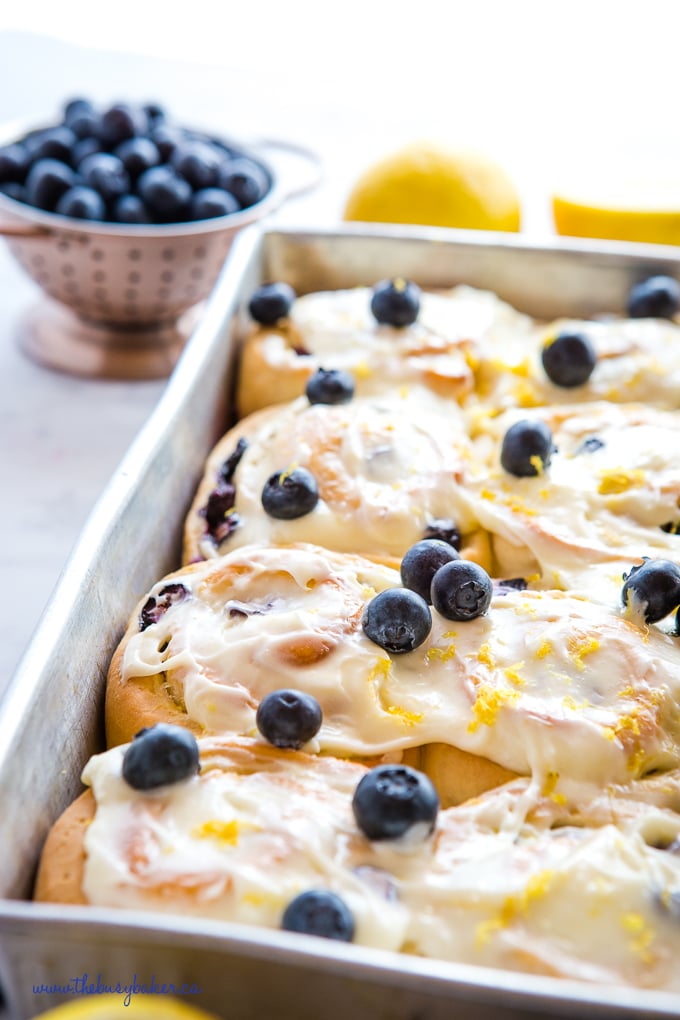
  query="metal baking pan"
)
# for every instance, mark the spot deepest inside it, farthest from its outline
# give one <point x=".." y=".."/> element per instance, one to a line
<point x="51" y="717"/>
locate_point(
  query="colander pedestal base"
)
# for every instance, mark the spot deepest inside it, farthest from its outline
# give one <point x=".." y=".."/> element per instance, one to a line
<point x="56" y="338"/>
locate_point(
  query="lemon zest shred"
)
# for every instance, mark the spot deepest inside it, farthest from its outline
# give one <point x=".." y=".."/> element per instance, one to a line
<point x="407" y="717"/>
<point x="618" y="480"/>
<point x="487" y="705"/>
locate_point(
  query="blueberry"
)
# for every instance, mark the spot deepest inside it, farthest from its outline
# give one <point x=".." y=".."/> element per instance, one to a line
<point x="210" y="202"/>
<point x="288" y="718"/>
<point x="591" y="445"/>
<point x="670" y="527"/>
<point x="166" y="138"/>
<point x="653" y="587"/>
<point x="227" y="469"/>
<point x="130" y="209"/>
<point x="137" y="155"/>
<point x="319" y="912"/>
<point x="330" y="386"/>
<point x="527" y="448"/>
<point x="397" y="619"/>
<point x="396" y="302"/>
<point x="84" y="125"/>
<point x="84" y="147"/>
<point x="392" y="799"/>
<point x="510" y="584"/>
<point x="106" y="174"/>
<point x="461" y="590"/>
<point x="290" y="494"/>
<point x="119" y="122"/>
<point x="154" y="113"/>
<point x="655" y="298"/>
<point x="76" y="106"/>
<point x="569" y="359"/>
<point x="445" y="530"/>
<point x="245" y="179"/>
<point x="14" y="163"/>
<point x="160" y="755"/>
<point x="47" y="181"/>
<point x="56" y="143"/>
<point x="165" y="194"/>
<point x="197" y="163"/>
<point x="82" y="203"/>
<point x="422" y="561"/>
<point x="13" y="190"/>
<point x="271" y="302"/>
<point x="158" y="605"/>
<point x="218" y="511"/>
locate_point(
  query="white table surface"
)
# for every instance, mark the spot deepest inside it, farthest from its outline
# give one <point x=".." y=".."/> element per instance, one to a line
<point x="533" y="84"/>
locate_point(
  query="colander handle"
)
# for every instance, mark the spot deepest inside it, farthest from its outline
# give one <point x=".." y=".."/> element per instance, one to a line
<point x="298" y="169"/>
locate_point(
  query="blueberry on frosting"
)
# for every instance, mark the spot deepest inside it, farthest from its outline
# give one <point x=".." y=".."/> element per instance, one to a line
<point x="392" y="799"/>
<point x="319" y="912"/>
<point x="160" y="755"/>
<point x="271" y="303"/>
<point x="527" y="448"/>
<point x="290" y="494"/>
<point x="422" y="561"/>
<point x="569" y="359"/>
<point x="288" y="718"/>
<point x="655" y="298"/>
<point x="396" y="302"/>
<point x="461" y="590"/>
<point x="397" y="620"/>
<point x="330" y="386"/>
<point x="652" y="588"/>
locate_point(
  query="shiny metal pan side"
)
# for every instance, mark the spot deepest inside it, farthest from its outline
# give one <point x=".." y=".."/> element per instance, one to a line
<point x="242" y="973"/>
<point x="50" y="718"/>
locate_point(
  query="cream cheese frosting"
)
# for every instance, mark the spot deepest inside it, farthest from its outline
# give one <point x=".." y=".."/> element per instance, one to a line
<point x="638" y="361"/>
<point x="613" y="482"/>
<point x="546" y="684"/>
<point x="385" y="470"/>
<point x="433" y="357"/>
<point x="505" y="880"/>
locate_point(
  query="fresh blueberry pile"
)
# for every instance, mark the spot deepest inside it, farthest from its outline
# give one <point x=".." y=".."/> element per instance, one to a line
<point x="129" y="164"/>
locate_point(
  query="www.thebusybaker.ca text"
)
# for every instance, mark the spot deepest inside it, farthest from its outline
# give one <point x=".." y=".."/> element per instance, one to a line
<point x="85" y="986"/>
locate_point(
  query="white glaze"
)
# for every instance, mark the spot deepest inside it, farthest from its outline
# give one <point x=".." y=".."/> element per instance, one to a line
<point x="240" y="840"/>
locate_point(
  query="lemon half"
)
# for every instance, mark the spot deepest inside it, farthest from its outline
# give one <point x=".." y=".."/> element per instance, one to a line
<point x="112" y="1007"/>
<point x="430" y="184"/>
<point x="620" y="206"/>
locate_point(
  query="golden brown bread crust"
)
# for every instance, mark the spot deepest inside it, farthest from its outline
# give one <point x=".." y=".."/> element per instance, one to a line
<point x="459" y="775"/>
<point x="62" y="864"/>
<point x="261" y="384"/>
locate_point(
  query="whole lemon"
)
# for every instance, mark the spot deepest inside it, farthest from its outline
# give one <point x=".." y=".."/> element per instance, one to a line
<point x="430" y="184"/>
<point x="112" y="1007"/>
<point x="624" y="206"/>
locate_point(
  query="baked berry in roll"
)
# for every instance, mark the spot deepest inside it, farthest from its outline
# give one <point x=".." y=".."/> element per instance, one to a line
<point x="330" y="848"/>
<point x="604" y="493"/>
<point x="364" y="476"/>
<point x="407" y="340"/>
<point x="542" y="683"/>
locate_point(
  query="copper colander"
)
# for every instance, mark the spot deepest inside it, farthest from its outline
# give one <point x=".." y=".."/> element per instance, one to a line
<point x="121" y="300"/>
